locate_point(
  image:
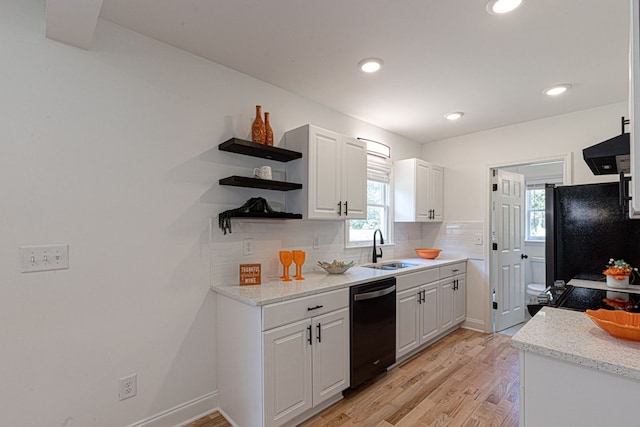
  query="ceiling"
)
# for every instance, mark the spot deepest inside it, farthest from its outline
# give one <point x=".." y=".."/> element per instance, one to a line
<point x="439" y="56"/>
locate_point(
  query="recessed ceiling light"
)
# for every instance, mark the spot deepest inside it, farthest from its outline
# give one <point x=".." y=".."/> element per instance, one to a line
<point x="454" y="116"/>
<point x="557" y="89"/>
<point x="370" y="65"/>
<point x="498" y="7"/>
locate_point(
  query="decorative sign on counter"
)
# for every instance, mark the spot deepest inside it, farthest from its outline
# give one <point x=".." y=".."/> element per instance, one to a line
<point x="250" y="274"/>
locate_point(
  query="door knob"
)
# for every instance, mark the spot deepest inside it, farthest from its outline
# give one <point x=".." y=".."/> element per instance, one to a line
<point x="523" y="256"/>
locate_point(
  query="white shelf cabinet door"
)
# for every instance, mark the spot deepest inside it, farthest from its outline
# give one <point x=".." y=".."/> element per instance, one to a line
<point x="333" y="173"/>
<point x="287" y="372"/>
<point x="423" y="184"/>
<point x="330" y="355"/>
<point x="408" y="321"/>
<point x="429" y="310"/>
<point x="354" y="179"/>
<point x="325" y="173"/>
<point x="419" y="191"/>
<point x="460" y="300"/>
<point x="436" y="192"/>
<point x="446" y="304"/>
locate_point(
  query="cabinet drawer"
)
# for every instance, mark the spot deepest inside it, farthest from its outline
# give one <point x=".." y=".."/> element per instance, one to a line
<point x="408" y="281"/>
<point x="281" y="313"/>
<point x="453" y="269"/>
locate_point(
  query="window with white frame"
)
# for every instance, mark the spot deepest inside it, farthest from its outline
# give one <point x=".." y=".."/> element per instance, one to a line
<point x="535" y="213"/>
<point x="535" y="226"/>
<point x="379" y="211"/>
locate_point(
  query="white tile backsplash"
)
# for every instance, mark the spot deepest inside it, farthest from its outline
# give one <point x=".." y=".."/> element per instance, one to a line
<point x="456" y="238"/>
<point x="270" y="237"/>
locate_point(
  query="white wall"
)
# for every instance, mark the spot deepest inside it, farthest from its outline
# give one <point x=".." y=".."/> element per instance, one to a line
<point x="467" y="160"/>
<point x="114" y="151"/>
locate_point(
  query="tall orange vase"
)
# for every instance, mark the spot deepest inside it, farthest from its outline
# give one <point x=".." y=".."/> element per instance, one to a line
<point x="258" y="131"/>
<point x="268" y="131"/>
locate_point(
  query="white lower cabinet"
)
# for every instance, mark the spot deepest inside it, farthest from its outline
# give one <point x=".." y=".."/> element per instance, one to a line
<point x="429" y="310"/>
<point x="460" y="299"/>
<point x="300" y="362"/>
<point x="453" y="302"/>
<point x="417" y="317"/>
<point x="287" y="371"/>
<point x="305" y="363"/>
<point x="428" y="306"/>
<point x="446" y="302"/>
<point x="280" y="363"/>
<point x="407" y="321"/>
<point x="417" y="307"/>
<point x="330" y="365"/>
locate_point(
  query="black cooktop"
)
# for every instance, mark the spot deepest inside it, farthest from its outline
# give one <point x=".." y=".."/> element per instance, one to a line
<point x="582" y="299"/>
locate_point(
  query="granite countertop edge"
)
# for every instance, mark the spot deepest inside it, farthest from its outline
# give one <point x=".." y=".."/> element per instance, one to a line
<point x="588" y="345"/>
<point x="274" y="290"/>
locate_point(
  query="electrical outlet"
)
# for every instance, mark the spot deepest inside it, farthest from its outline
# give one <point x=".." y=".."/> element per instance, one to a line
<point x="316" y="242"/>
<point x="128" y="386"/>
<point x="247" y="247"/>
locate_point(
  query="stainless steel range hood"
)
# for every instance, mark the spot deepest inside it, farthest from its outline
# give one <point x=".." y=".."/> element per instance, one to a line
<point x="611" y="156"/>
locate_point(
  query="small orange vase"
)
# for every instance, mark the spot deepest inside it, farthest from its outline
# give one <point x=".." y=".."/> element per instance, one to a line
<point x="268" y="131"/>
<point x="258" y="132"/>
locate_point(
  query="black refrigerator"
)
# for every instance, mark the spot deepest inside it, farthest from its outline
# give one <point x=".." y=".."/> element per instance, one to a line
<point x="585" y="227"/>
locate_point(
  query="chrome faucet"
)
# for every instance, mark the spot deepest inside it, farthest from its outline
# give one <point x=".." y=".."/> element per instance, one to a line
<point x="377" y="255"/>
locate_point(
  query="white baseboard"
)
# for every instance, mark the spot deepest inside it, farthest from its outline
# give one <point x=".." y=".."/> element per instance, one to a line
<point x="474" y="325"/>
<point x="182" y="414"/>
<point x="228" y="418"/>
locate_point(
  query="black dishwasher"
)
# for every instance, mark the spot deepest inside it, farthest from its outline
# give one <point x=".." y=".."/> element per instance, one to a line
<point x="373" y="329"/>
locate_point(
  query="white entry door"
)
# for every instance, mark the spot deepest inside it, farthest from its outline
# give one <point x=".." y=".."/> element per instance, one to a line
<point x="508" y="245"/>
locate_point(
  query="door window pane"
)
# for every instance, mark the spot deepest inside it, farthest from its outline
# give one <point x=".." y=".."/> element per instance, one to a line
<point x="535" y="213"/>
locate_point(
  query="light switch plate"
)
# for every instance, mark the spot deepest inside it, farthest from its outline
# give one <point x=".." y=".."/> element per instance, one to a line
<point x="44" y="258"/>
<point x="478" y="239"/>
<point x="247" y="247"/>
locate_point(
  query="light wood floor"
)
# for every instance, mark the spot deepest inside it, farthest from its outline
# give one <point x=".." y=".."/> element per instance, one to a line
<point x="466" y="379"/>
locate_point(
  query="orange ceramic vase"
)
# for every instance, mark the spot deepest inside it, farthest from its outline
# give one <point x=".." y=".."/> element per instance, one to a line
<point x="268" y="131"/>
<point x="258" y="131"/>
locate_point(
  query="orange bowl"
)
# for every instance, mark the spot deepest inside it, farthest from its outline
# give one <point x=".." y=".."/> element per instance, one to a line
<point x="428" y="253"/>
<point x="617" y="323"/>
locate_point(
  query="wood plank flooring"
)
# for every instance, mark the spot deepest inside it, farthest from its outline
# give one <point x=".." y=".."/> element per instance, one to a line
<point x="467" y="379"/>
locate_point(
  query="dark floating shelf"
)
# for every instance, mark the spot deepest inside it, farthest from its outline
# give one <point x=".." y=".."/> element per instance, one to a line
<point x="265" y="215"/>
<point x="265" y="184"/>
<point x="250" y="148"/>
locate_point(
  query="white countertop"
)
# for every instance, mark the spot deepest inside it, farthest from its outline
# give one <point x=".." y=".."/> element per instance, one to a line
<point x="275" y="290"/>
<point x="632" y="289"/>
<point x="571" y="336"/>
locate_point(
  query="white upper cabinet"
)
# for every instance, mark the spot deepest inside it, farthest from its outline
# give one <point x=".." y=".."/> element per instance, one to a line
<point x="437" y="192"/>
<point x="333" y="173"/>
<point x="419" y="191"/>
<point x="354" y="182"/>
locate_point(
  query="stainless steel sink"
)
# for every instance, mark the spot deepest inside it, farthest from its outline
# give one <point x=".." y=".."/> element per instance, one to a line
<point x="390" y="265"/>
